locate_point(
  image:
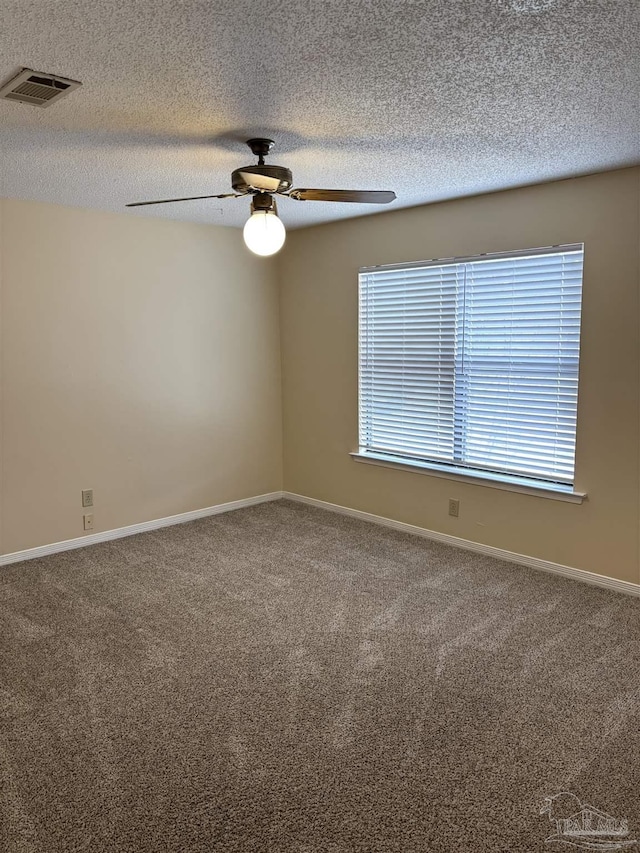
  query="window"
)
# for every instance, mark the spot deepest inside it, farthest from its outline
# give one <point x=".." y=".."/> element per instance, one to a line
<point x="471" y="365"/>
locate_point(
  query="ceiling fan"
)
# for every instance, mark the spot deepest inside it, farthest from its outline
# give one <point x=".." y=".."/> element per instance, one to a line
<point x="264" y="232"/>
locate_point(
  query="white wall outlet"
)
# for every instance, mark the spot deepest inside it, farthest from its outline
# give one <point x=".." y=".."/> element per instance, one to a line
<point x="87" y="497"/>
<point x="454" y="507"/>
<point x="88" y="521"/>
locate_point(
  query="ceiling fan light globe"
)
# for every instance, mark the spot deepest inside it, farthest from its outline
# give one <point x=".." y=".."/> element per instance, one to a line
<point x="264" y="234"/>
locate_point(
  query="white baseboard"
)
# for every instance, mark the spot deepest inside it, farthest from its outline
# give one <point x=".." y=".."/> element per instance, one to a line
<point x="511" y="557"/>
<point x="155" y="524"/>
<point x="132" y="529"/>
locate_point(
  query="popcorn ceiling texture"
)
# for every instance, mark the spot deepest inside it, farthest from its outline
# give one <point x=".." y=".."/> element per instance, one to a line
<point x="432" y="99"/>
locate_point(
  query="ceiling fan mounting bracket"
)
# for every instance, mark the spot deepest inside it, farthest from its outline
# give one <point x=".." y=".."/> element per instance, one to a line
<point x="260" y="147"/>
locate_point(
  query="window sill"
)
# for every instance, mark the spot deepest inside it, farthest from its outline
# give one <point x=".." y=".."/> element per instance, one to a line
<point x="514" y="484"/>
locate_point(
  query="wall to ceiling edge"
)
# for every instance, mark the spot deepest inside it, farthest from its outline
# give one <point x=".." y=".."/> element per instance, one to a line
<point x="318" y="319"/>
<point x="140" y="358"/>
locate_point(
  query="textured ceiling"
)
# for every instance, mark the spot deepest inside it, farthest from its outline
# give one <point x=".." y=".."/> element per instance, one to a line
<point x="429" y="98"/>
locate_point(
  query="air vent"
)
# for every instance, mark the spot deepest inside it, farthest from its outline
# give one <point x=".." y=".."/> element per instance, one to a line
<point x="34" y="87"/>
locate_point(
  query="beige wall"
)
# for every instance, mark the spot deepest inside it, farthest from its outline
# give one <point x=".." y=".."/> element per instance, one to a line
<point x="319" y="300"/>
<point x="140" y="358"/>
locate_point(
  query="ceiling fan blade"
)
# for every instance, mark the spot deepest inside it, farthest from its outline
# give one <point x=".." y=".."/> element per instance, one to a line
<point x="190" y="198"/>
<point x="260" y="182"/>
<point x="358" y="196"/>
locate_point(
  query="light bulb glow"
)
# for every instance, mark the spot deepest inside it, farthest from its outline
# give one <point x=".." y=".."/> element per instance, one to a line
<point x="264" y="233"/>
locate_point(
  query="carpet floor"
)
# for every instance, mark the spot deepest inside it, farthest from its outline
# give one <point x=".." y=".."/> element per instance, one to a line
<point x="284" y="679"/>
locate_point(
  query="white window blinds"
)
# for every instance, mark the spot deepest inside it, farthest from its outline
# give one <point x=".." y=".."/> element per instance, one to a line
<point x="474" y="363"/>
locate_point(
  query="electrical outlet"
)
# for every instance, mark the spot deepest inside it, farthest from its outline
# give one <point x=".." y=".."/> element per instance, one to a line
<point x="454" y="507"/>
<point x="88" y="521"/>
<point x="87" y="497"/>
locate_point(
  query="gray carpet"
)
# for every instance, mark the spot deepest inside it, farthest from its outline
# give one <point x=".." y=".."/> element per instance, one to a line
<point x="284" y="679"/>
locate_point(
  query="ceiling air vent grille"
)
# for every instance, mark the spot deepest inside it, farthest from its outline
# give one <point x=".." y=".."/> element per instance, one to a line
<point x="34" y="87"/>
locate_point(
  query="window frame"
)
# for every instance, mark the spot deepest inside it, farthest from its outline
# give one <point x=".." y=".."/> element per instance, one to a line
<point x="452" y="470"/>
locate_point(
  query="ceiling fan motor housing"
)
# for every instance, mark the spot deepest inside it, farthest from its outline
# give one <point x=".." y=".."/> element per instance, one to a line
<point x="278" y="179"/>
